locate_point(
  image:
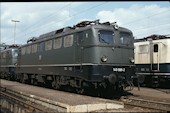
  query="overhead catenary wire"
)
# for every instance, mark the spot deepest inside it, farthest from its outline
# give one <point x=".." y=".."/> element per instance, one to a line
<point x="144" y="28"/>
<point x="60" y="20"/>
<point x="137" y="20"/>
<point x="48" y="16"/>
<point x="151" y="27"/>
<point x="152" y="32"/>
<point x="79" y="13"/>
<point x="42" y="19"/>
<point x="85" y="10"/>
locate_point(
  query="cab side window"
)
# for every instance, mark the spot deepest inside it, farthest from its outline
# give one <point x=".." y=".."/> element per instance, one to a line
<point x="155" y="47"/>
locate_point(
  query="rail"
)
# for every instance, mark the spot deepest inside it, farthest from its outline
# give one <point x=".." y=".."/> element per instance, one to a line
<point x="25" y="105"/>
<point x="150" y="104"/>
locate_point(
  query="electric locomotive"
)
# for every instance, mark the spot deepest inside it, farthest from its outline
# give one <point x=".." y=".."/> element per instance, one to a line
<point x="88" y="56"/>
<point x="152" y="60"/>
<point x="8" y="60"/>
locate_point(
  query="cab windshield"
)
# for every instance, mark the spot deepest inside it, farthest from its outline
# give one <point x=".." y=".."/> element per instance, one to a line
<point x="15" y="53"/>
<point x="106" y="37"/>
<point x="125" y="38"/>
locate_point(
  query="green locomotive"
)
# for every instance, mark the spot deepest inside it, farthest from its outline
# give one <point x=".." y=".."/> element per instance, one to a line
<point x="90" y="56"/>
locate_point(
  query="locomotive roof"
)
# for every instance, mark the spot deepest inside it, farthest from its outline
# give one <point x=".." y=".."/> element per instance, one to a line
<point x="81" y="26"/>
<point x="153" y="37"/>
<point x="10" y="47"/>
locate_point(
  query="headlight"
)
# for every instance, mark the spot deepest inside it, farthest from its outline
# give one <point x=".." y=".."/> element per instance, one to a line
<point x="132" y="60"/>
<point x="104" y="59"/>
<point x="116" y="26"/>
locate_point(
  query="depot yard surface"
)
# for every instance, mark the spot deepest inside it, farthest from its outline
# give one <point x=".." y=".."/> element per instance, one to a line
<point x="146" y="94"/>
<point x="162" y="95"/>
<point x="70" y="102"/>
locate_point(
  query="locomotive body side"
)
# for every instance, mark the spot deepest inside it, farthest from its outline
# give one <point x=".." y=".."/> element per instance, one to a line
<point x="93" y="56"/>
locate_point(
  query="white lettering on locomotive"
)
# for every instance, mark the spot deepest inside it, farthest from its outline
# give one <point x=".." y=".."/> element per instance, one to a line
<point x="119" y="69"/>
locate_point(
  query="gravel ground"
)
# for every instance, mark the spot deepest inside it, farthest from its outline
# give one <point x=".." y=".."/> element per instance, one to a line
<point x="161" y="95"/>
<point x="129" y="109"/>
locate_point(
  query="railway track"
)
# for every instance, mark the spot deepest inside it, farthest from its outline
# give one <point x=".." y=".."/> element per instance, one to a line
<point x="10" y="102"/>
<point x="167" y="91"/>
<point x="145" y="103"/>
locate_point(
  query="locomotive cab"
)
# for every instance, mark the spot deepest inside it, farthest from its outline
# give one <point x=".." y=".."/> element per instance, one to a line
<point x="116" y="56"/>
<point x="8" y="62"/>
<point x="107" y="53"/>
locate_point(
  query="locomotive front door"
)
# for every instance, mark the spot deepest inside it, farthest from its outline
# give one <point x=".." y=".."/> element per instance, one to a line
<point x="155" y="57"/>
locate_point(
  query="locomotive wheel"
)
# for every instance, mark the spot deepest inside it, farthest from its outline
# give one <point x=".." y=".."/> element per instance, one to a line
<point x="102" y="92"/>
<point x="154" y="85"/>
<point x="107" y="90"/>
<point x="48" y="84"/>
<point x="91" y="91"/>
<point x="33" y="81"/>
<point x="13" y="78"/>
<point x="67" y="88"/>
<point x="21" y="78"/>
<point x="8" y="77"/>
<point x="80" y="90"/>
<point x="141" y="78"/>
<point x="55" y="85"/>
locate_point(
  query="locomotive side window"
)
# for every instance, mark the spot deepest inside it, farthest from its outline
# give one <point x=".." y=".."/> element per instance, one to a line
<point x="155" y="47"/>
<point x="143" y="48"/>
<point x="8" y="54"/>
<point x="28" y="50"/>
<point x="23" y="50"/>
<point x="106" y="37"/>
<point x="4" y="55"/>
<point x="68" y="41"/>
<point x="34" y="48"/>
<point x="125" y="38"/>
<point x="41" y="46"/>
<point x="57" y="43"/>
<point x="48" y="45"/>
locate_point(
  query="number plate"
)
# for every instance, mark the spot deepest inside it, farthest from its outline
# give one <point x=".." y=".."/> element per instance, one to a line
<point x="119" y="69"/>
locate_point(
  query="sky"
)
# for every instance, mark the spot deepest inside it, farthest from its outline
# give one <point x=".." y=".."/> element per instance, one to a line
<point x="36" y="18"/>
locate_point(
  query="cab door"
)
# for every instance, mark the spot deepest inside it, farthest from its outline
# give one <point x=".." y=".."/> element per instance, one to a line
<point x="79" y="47"/>
<point x="155" y="57"/>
